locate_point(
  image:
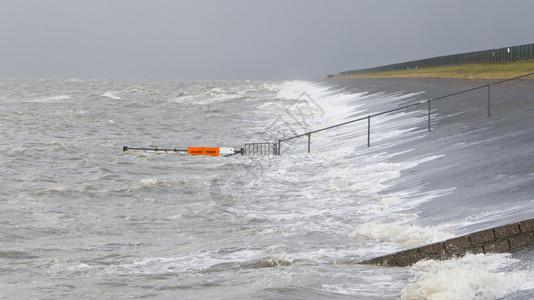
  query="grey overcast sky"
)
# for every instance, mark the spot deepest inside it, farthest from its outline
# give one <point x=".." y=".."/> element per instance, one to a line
<point x="226" y="39"/>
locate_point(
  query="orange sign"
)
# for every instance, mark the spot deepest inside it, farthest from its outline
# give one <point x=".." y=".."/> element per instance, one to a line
<point x="211" y="151"/>
<point x="195" y="151"/>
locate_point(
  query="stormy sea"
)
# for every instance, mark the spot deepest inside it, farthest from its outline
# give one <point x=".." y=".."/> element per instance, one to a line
<point x="81" y="218"/>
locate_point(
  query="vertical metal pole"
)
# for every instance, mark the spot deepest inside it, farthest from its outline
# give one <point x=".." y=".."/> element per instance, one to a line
<point x="489" y="113"/>
<point x="278" y="147"/>
<point x="309" y="141"/>
<point x="369" y="131"/>
<point x="429" y="100"/>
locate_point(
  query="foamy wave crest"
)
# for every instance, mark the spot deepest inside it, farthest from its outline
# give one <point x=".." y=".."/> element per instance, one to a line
<point x="55" y="146"/>
<point x="48" y="99"/>
<point x="52" y="190"/>
<point x="294" y="89"/>
<point x="203" y="263"/>
<point x="148" y="184"/>
<point x="405" y="236"/>
<point x="258" y="263"/>
<point x="14" y="150"/>
<point x="181" y="97"/>
<point x="111" y="95"/>
<point x="367" y="178"/>
<point x="215" y="92"/>
<point x="470" y="277"/>
<point x="220" y="94"/>
<point x="271" y="107"/>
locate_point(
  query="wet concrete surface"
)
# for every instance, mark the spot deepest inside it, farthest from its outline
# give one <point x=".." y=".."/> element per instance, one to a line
<point x="486" y="163"/>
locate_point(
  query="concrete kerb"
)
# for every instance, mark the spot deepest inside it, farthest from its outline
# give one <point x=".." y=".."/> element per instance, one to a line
<point x="507" y="238"/>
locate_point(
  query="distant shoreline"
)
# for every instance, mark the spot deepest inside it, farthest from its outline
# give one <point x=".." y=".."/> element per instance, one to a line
<point x="465" y="71"/>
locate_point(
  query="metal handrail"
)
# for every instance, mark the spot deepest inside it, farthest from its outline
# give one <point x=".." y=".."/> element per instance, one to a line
<point x="428" y="101"/>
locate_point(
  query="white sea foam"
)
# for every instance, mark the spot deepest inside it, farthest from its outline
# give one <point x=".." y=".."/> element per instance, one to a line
<point x="48" y="99"/>
<point x="470" y="277"/>
<point x="404" y="236"/>
<point x="51" y="190"/>
<point x="159" y="182"/>
<point x="111" y="95"/>
<point x="290" y="90"/>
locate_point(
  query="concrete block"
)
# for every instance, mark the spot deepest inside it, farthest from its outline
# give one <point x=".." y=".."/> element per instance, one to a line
<point x="381" y="261"/>
<point x="482" y="237"/>
<point x="477" y="250"/>
<point x="501" y="239"/>
<point x="407" y="258"/>
<point x="524" y="240"/>
<point x="457" y="246"/>
<point x="436" y="256"/>
<point x="437" y="249"/>
<point x="501" y="246"/>
<point x="527" y="225"/>
<point x="506" y="231"/>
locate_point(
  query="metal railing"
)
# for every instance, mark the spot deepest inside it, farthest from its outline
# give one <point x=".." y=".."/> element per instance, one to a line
<point x="266" y="148"/>
<point x="368" y="118"/>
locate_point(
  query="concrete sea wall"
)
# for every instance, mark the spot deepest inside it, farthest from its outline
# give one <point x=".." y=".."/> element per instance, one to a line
<point x="508" y="238"/>
<point x="484" y="164"/>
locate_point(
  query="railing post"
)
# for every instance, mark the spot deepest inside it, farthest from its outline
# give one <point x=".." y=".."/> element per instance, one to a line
<point x="429" y="100"/>
<point x="279" y="147"/>
<point x="369" y="131"/>
<point x="489" y="113"/>
<point x="309" y="141"/>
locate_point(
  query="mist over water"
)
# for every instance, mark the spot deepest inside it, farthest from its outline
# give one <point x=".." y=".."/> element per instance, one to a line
<point x="82" y="219"/>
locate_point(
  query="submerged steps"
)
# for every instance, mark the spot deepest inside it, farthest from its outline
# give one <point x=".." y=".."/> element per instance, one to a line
<point x="507" y="238"/>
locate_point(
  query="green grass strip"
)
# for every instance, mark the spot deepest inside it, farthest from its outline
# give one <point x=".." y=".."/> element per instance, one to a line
<point x="467" y="71"/>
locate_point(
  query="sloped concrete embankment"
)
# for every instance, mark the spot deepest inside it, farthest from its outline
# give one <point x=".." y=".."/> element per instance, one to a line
<point x="502" y="239"/>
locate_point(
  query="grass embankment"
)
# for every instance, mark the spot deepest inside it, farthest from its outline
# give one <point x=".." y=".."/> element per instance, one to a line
<point x="467" y="71"/>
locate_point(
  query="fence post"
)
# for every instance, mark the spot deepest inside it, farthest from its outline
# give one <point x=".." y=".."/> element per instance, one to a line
<point x="369" y="131"/>
<point x="429" y="100"/>
<point x="278" y="146"/>
<point x="489" y="113"/>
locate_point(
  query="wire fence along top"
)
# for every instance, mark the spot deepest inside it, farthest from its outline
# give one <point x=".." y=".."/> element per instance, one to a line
<point x="500" y="55"/>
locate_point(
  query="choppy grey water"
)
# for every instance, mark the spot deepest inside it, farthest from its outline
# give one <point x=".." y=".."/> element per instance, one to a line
<point x="82" y="219"/>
